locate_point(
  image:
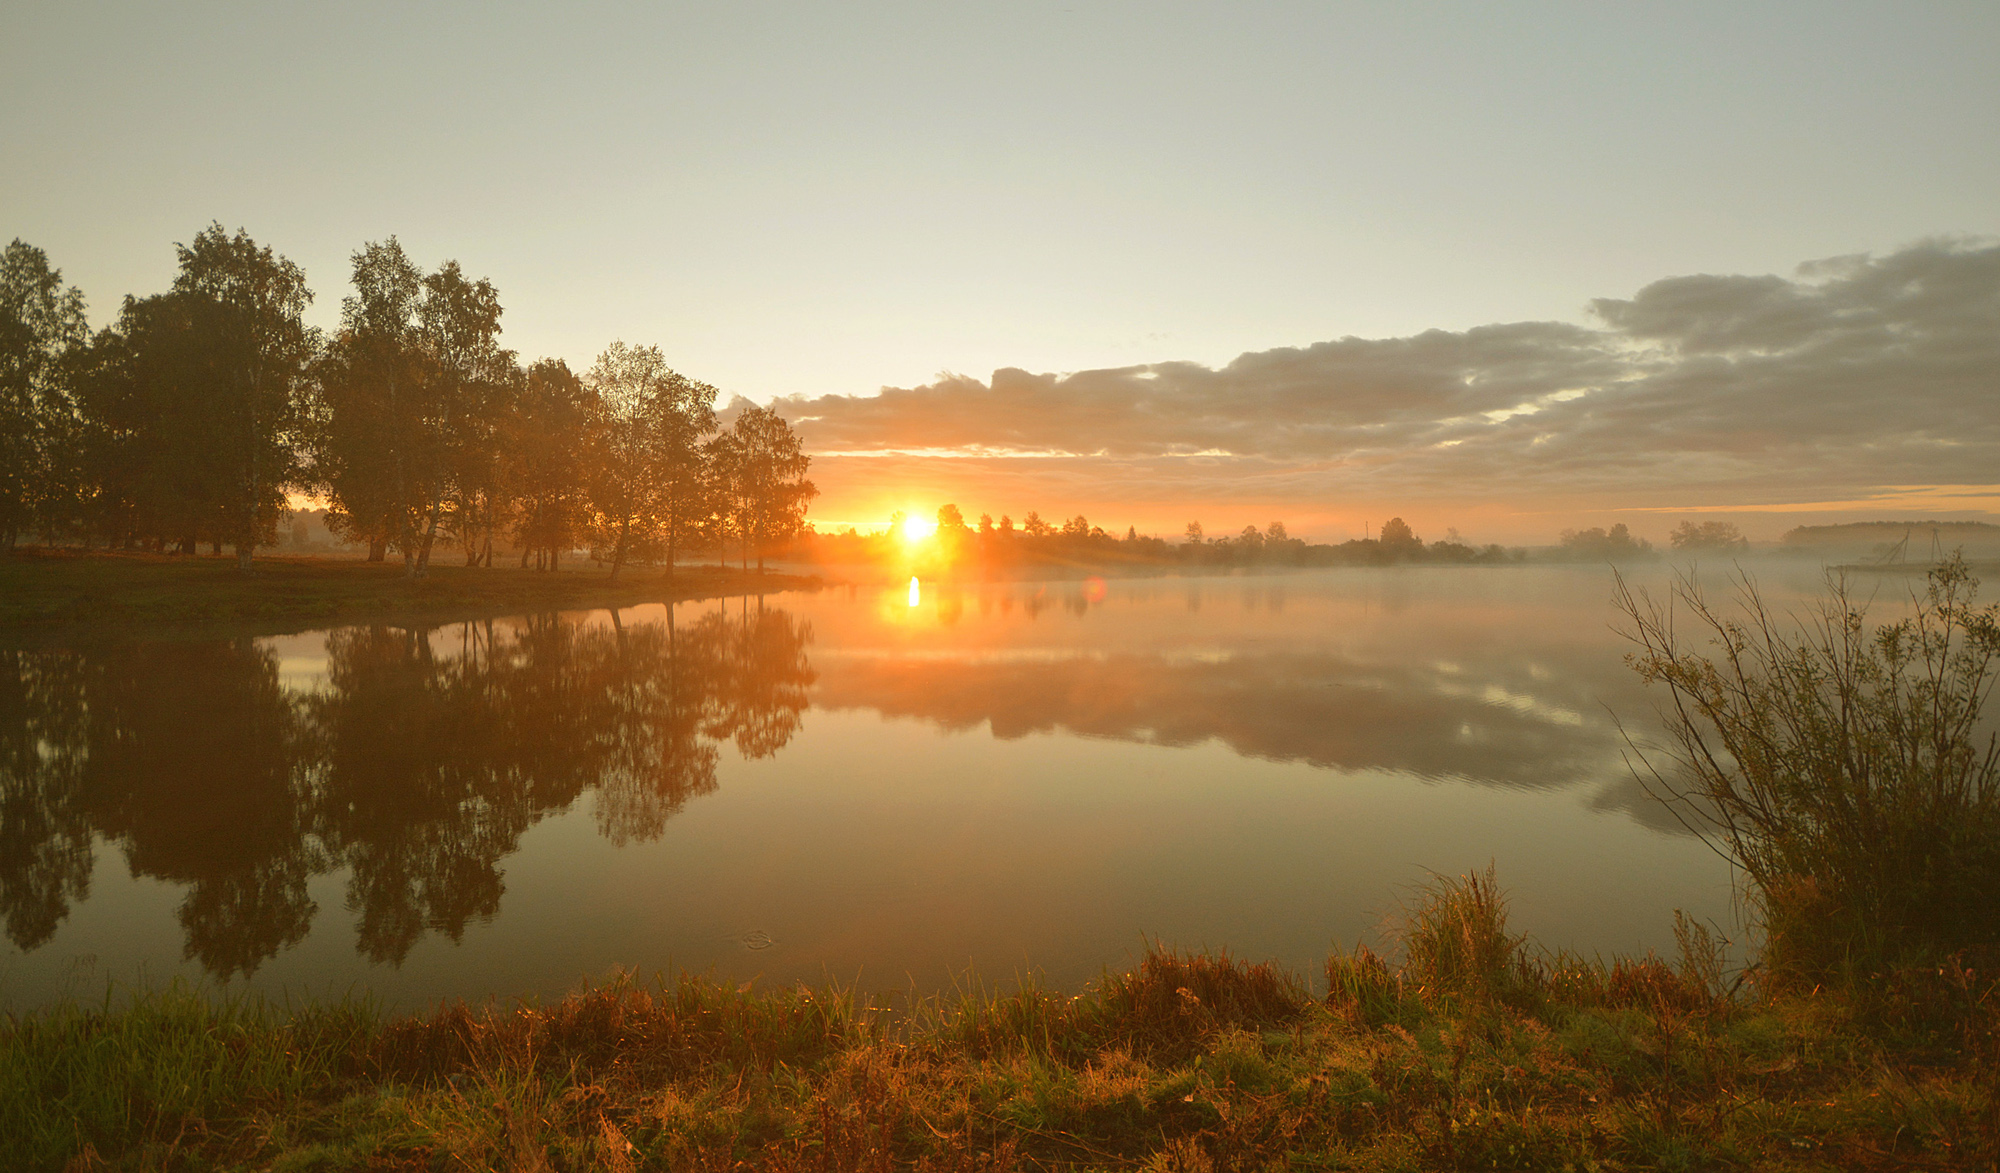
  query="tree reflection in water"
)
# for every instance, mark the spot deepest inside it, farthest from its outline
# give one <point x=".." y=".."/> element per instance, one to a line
<point x="416" y="766"/>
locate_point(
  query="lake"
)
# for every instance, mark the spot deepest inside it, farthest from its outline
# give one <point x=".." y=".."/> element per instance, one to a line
<point x="985" y="781"/>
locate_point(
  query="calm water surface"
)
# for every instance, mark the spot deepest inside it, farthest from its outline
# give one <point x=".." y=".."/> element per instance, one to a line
<point x="997" y="779"/>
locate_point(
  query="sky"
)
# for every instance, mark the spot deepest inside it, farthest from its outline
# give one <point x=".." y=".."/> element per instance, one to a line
<point x="1154" y="263"/>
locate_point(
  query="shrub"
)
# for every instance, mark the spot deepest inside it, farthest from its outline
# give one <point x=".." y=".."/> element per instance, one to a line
<point x="1839" y="767"/>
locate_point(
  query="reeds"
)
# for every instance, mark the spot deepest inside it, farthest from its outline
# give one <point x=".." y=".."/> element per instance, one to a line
<point x="1840" y="767"/>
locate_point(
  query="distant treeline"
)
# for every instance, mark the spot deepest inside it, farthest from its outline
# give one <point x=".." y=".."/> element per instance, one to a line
<point x="192" y="419"/>
<point x="1618" y="543"/>
<point x="1915" y="540"/>
<point x="1077" y="542"/>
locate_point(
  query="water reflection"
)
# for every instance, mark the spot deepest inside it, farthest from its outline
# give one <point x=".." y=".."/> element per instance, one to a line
<point x="394" y="772"/>
<point x="416" y="765"/>
<point x="1433" y="721"/>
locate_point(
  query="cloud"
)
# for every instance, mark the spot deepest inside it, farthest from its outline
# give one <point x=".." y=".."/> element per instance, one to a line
<point x="1853" y="374"/>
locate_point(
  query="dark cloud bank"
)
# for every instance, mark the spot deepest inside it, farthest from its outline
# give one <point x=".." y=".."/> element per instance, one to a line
<point x="1857" y="373"/>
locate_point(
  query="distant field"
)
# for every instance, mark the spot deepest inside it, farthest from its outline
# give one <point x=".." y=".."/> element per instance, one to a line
<point x="43" y="589"/>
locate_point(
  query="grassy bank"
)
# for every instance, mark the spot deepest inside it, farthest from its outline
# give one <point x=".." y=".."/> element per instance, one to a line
<point x="57" y="589"/>
<point x="1476" y="1052"/>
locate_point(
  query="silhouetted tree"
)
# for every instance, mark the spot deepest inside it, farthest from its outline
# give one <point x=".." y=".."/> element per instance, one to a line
<point x="160" y="438"/>
<point x="256" y="346"/>
<point x="1708" y="535"/>
<point x="371" y="429"/>
<point x="629" y="382"/>
<point x="547" y="447"/>
<point x="42" y="329"/>
<point x="682" y="416"/>
<point x="458" y="325"/>
<point x="762" y="464"/>
<point x="1598" y="543"/>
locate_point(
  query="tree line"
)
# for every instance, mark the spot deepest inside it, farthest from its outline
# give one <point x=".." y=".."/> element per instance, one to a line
<point x="194" y="417"/>
<point x="1077" y="542"/>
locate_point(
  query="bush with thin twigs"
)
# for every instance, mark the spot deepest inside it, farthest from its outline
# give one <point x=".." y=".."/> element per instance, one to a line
<point x="1839" y="766"/>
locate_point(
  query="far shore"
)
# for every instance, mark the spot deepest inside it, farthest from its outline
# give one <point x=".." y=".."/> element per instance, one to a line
<point x="63" y="590"/>
<point x="53" y="591"/>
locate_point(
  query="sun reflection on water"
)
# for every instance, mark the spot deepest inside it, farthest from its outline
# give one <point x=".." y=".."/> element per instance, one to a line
<point x="915" y="597"/>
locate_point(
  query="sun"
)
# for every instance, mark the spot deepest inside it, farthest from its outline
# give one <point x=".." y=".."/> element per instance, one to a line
<point x="916" y="528"/>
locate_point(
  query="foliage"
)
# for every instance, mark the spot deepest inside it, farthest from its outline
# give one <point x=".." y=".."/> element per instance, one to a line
<point x="651" y="481"/>
<point x="546" y="449"/>
<point x="191" y="420"/>
<point x="248" y="351"/>
<point x="1840" y="767"/>
<point x="1708" y="535"/>
<point x="41" y="325"/>
<point x="1599" y="544"/>
<point x="762" y="473"/>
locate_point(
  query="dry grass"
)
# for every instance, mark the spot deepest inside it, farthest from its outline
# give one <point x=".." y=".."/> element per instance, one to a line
<point x="1477" y="1053"/>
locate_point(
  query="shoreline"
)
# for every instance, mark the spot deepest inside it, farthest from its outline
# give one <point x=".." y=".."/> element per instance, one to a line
<point x="1517" y="1059"/>
<point x="66" y="592"/>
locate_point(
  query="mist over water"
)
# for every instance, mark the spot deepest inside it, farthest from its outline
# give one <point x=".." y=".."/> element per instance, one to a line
<point x="872" y="784"/>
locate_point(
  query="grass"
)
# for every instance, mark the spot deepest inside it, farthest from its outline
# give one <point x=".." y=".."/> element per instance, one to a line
<point x="1476" y="1051"/>
<point x="58" y="589"/>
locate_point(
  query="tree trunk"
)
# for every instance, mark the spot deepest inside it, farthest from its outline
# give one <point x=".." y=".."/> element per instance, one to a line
<point x="618" y="551"/>
<point x="430" y="535"/>
<point x="378" y="548"/>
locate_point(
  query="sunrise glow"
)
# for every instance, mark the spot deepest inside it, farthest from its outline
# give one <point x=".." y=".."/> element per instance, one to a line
<point x="917" y="527"/>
